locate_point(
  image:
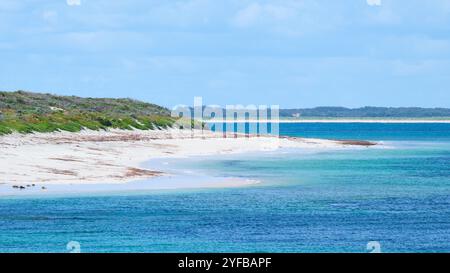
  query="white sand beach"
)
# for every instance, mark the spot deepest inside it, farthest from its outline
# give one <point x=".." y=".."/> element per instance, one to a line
<point x="117" y="156"/>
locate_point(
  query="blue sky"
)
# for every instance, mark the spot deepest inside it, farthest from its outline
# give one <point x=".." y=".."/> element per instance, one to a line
<point x="295" y="53"/>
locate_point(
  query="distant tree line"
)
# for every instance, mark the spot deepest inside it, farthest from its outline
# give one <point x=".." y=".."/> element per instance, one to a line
<point x="367" y="112"/>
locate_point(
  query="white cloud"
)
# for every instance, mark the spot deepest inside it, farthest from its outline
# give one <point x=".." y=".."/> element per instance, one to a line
<point x="49" y="16"/>
<point x="249" y="15"/>
<point x="374" y="2"/>
<point x="73" y="2"/>
<point x="257" y="13"/>
<point x="417" y="68"/>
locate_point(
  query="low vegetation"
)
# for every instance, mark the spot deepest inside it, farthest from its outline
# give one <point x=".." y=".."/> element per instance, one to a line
<point x="367" y="112"/>
<point x="27" y="112"/>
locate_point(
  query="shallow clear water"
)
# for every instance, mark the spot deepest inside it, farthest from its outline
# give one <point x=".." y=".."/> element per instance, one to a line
<point x="334" y="201"/>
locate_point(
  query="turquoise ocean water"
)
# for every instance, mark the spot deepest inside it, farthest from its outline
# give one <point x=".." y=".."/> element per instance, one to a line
<point x="333" y="201"/>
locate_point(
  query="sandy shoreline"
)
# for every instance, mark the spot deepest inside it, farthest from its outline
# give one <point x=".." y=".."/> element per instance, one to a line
<point x="117" y="156"/>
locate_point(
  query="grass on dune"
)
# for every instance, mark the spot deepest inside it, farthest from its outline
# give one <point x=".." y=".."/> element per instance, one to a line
<point x="27" y="112"/>
<point x="77" y="122"/>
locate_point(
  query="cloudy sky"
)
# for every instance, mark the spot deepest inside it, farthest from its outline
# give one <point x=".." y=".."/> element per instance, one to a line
<point x="295" y="53"/>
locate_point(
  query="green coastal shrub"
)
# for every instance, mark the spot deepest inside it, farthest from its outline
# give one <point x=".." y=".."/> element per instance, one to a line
<point x="26" y="112"/>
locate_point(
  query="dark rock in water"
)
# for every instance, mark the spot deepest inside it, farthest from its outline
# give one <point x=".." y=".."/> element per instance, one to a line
<point x="22" y="187"/>
<point x="357" y="142"/>
<point x="33" y="185"/>
<point x="15" y="187"/>
<point x="338" y="141"/>
<point x="43" y="188"/>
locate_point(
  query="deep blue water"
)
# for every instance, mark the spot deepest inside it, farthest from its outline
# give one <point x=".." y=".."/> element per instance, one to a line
<point x="334" y="201"/>
<point x="369" y="131"/>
